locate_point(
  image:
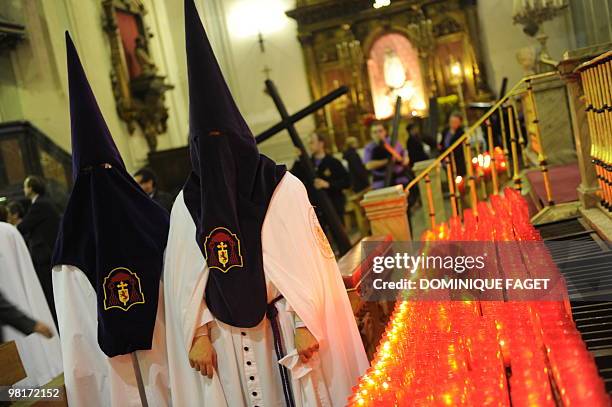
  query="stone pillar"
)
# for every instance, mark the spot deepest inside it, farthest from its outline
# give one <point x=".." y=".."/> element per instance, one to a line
<point x="551" y="100"/>
<point x="386" y="210"/>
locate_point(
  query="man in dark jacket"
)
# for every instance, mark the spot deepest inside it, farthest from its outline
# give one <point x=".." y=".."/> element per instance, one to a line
<point x="451" y="134"/>
<point x="147" y="179"/>
<point x="360" y="176"/>
<point x="39" y="228"/>
<point x="12" y="316"/>
<point x="331" y="176"/>
<point x="414" y="145"/>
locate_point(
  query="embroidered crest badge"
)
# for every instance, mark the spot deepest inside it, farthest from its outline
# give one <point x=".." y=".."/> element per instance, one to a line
<point x="319" y="235"/>
<point x="222" y="248"/>
<point x="122" y="289"/>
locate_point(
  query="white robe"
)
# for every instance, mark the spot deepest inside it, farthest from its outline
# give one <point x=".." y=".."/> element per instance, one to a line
<point x="299" y="264"/>
<point x="41" y="357"/>
<point x="91" y="377"/>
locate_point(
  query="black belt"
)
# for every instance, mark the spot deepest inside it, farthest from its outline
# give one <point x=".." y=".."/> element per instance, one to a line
<point x="272" y="314"/>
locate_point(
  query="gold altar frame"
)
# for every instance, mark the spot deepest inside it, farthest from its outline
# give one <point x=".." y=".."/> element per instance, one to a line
<point x="327" y="27"/>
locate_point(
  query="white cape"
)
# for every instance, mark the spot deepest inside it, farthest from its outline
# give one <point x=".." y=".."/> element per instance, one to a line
<point x="41" y="357"/>
<point x="91" y="377"/>
<point x="298" y="261"/>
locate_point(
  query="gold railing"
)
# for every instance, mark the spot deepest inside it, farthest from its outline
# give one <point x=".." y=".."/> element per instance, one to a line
<point x="596" y="76"/>
<point x="506" y="106"/>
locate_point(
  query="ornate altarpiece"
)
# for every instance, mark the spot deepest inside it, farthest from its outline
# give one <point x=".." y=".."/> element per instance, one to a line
<point x="338" y="38"/>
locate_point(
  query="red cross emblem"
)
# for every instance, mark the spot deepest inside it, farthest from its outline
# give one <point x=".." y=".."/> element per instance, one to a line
<point x="222" y="248"/>
<point x="122" y="289"/>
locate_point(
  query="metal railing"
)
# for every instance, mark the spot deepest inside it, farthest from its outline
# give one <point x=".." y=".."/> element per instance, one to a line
<point x="505" y="107"/>
<point x="596" y="78"/>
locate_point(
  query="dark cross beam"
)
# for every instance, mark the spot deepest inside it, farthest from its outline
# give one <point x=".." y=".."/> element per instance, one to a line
<point x="296" y="117"/>
<point x="394" y="133"/>
<point x="320" y="197"/>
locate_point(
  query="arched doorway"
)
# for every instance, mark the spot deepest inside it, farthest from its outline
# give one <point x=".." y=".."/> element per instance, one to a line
<point x="394" y="69"/>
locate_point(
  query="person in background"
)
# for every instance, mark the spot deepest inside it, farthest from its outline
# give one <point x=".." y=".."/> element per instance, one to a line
<point x="147" y="179"/>
<point x="359" y="175"/>
<point x="451" y="134"/>
<point x="39" y="228"/>
<point x="376" y="156"/>
<point x="414" y="144"/>
<point x="15" y="213"/>
<point x="331" y="176"/>
<point x="22" y="297"/>
<point x="298" y="169"/>
<point x="13" y="317"/>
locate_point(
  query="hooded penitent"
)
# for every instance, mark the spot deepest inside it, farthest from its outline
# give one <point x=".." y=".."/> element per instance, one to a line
<point x="229" y="189"/>
<point x="111" y="229"/>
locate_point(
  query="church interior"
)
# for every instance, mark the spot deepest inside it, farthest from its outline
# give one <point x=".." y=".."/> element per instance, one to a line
<point x="497" y="127"/>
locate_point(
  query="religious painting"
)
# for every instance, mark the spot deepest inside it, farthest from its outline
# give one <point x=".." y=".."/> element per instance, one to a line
<point x="132" y="35"/>
<point x="53" y="169"/>
<point x="138" y="88"/>
<point x="394" y="70"/>
<point x="24" y="150"/>
<point x="453" y="49"/>
<point x="12" y="168"/>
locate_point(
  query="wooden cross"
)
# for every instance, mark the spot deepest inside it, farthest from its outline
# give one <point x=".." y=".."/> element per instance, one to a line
<point x="288" y="123"/>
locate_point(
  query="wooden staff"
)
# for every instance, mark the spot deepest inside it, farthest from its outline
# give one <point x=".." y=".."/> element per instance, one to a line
<point x="139" y="382"/>
<point x="541" y="155"/>
<point x="492" y="155"/>
<point x="513" y="143"/>
<point x="392" y="151"/>
<point x="430" y="202"/>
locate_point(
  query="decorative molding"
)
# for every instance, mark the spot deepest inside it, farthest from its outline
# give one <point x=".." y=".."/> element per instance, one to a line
<point x="313" y="13"/>
<point x="448" y="25"/>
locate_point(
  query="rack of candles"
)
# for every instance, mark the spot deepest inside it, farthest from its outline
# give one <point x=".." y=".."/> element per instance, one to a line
<point x="483" y="163"/>
<point x="484" y="353"/>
